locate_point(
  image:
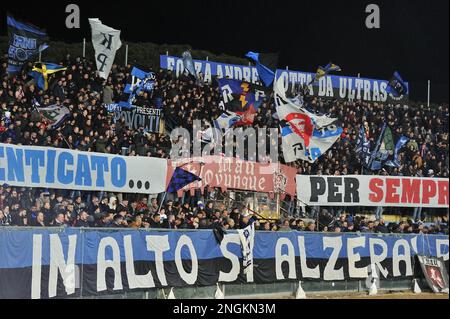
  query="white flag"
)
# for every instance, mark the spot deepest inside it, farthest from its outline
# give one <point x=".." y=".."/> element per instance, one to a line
<point x="106" y="42"/>
<point x="247" y="237"/>
<point x="305" y="136"/>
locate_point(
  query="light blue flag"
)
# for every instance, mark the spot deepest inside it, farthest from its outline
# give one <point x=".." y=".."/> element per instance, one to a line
<point x="189" y="63"/>
<point x="400" y="143"/>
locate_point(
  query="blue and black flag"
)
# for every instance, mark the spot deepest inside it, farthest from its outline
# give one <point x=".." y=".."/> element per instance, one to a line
<point x="396" y="86"/>
<point x="265" y="64"/>
<point x="141" y="81"/>
<point x="363" y="147"/>
<point x="25" y="43"/>
<point x="181" y="178"/>
<point x="242" y="98"/>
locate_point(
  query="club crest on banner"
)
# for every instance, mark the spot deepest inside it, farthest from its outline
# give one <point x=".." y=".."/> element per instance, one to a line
<point x="279" y="182"/>
<point x="301" y="125"/>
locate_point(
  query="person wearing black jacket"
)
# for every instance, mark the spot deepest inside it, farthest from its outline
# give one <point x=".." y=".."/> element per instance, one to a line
<point x="39" y="222"/>
<point x="104" y="220"/>
<point x="123" y="206"/>
<point x="381" y="228"/>
<point x="155" y="221"/>
<point x="59" y="220"/>
<point x="119" y="222"/>
<point x="82" y="220"/>
<point x="19" y="218"/>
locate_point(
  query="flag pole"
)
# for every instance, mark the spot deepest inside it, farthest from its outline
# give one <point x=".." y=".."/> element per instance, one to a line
<point x="428" y="93"/>
<point x="64" y="138"/>
<point x="84" y="47"/>
<point x="162" y="201"/>
<point x="126" y="54"/>
<point x="278" y="205"/>
<point x="251" y="210"/>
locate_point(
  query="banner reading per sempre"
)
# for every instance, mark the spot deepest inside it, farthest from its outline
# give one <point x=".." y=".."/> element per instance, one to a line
<point x="32" y="166"/>
<point x="364" y="190"/>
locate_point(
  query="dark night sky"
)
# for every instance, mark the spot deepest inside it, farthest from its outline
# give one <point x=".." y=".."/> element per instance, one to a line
<point x="413" y="38"/>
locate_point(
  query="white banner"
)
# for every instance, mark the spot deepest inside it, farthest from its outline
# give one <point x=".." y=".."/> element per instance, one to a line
<point x="33" y="166"/>
<point x="106" y="42"/>
<point x="365" y="190"/>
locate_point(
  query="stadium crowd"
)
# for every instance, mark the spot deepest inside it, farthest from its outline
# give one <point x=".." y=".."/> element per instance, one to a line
<point x="92" y="128"/>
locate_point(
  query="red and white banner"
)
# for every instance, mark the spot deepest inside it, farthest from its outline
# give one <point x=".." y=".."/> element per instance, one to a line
<point x="232" y="173"/>
<point x="365" y="190"/>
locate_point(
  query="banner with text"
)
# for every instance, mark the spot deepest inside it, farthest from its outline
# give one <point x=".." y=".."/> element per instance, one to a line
<point x="332" y="86"/>
<point x="341" y="87"/>
<point x="72" y="262"/>
<point x="365" y="190"/>
<point x="435" y="273"/>
<point x="232" y="173"/>
<point x="140" y="116"/>
<point x="210" y="69"/>
<point x="32" y="166"/>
